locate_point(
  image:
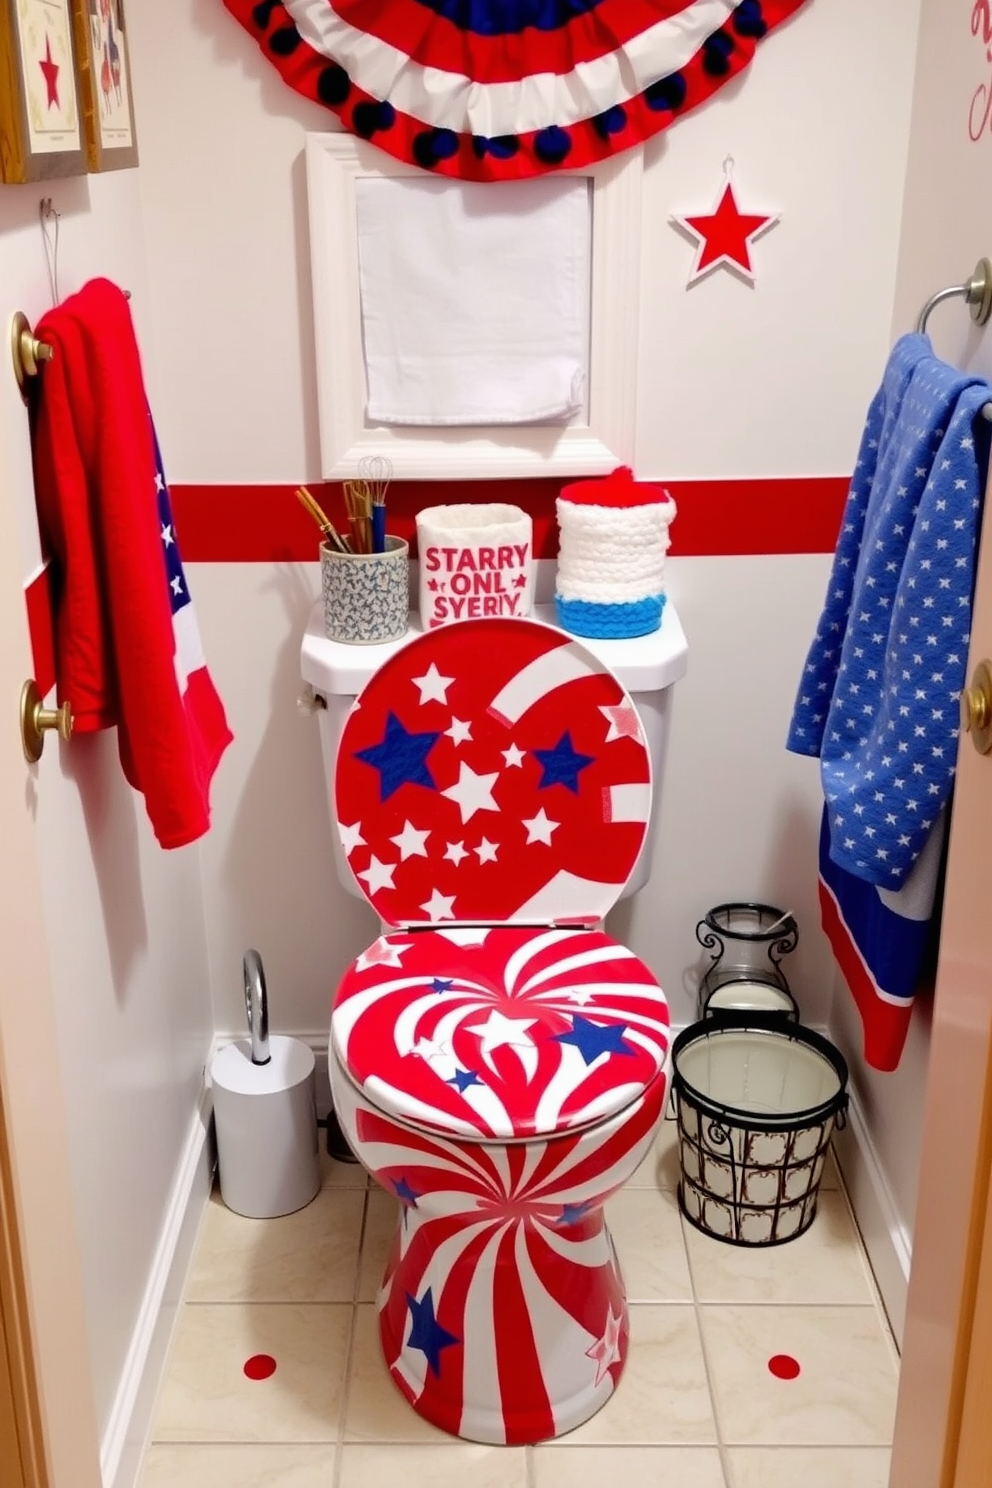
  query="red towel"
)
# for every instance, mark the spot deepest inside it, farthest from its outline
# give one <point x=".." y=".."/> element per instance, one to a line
<point x="126" y="647"/>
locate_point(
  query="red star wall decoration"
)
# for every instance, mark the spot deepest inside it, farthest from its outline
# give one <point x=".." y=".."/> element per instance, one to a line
<point x="51" y="74"/>
<point x="724" y="236"/>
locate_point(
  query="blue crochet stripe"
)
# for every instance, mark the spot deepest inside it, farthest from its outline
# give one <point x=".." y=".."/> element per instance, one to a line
<point x="610" y="621"/>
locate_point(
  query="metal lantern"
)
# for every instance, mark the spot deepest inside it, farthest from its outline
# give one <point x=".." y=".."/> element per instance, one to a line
<point x="746" y="944"/>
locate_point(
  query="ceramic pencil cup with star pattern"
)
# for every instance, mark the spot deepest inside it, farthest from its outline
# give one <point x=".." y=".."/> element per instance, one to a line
<point x="366" y="595"/>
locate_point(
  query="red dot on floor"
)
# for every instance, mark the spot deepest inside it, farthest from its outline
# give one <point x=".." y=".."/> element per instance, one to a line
<point x="260" y="1366"/>
<point x="783" y="1366"/>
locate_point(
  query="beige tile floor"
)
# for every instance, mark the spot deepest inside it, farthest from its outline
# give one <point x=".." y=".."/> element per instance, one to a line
<point x="697" y="1407"/>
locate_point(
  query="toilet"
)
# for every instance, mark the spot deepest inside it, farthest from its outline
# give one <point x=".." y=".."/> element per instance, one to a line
<point x="497" y="1061"/>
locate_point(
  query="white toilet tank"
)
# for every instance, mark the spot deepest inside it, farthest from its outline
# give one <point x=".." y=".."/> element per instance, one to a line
<point x="646" y="666"/>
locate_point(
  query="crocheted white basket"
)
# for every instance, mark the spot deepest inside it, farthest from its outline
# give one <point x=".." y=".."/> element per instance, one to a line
<point x="476" y="561"/>
<point x="611" y="560"/>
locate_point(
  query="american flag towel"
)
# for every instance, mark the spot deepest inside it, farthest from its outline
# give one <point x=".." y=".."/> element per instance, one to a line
<point x="878" y="700"/>
<point x="127" y="647"/>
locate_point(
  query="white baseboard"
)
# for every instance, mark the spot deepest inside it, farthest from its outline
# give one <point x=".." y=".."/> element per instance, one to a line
<point x="130" y="1419"/>
<point x="887" y="1241"/>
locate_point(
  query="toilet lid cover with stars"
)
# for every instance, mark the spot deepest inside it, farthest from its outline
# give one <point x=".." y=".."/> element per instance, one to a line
<point x="492" y="771"/>
<point x="489" y="90"/>
<point x="496" y="1032"/>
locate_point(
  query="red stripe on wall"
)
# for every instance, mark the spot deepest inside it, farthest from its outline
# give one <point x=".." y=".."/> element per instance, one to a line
<point x="266" y="524"/>
<point x="38" y="602"/>
<point x="716" y="518"/>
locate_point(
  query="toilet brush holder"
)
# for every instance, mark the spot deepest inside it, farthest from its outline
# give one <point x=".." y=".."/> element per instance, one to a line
<point x="265" y="1114"/>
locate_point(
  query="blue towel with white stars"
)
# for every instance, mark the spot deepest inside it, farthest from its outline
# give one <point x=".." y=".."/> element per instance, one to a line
<point x="878" y="700"/>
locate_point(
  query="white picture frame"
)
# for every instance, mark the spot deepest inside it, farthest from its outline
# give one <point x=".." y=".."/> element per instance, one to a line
<point x="593" y="446"/>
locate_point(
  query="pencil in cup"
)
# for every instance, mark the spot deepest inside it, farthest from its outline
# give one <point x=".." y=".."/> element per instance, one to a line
<point x="329" y="532"/>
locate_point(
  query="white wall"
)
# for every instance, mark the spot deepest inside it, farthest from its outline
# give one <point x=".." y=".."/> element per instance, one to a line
<point x="724" y="833"/>
<point x="947" y="221"/>
<point x="268" y="879"/>
<point x="775" y="379"/>
<point x="222" y="174"/>
<point x="124" y="920"/>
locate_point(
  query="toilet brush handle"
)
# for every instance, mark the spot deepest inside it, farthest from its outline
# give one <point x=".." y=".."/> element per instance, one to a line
<point x="257" y="1007"/>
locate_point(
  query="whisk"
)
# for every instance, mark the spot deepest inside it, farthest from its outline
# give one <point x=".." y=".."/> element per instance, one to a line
<point x="376" y="471"/>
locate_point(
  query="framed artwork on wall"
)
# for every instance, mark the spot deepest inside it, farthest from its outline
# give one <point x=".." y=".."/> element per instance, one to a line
<point x="41" y="127"/>
<point x="105" y="84"/>
<point x="593" y="441"/>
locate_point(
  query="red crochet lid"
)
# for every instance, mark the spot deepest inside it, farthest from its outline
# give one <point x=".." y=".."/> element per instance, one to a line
<point x="492" y="771"/>
<point x="618" y="489"/>
<point x="503" y="1033"/>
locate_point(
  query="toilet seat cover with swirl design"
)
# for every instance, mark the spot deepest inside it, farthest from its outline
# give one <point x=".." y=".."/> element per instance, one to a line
<point x="492" y="771"/>
<point x="501" y="1033"/>
<point x="493" y="789"/>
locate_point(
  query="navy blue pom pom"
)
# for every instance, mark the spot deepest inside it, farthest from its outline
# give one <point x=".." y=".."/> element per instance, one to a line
<point x="433" y="145"/>
<point x="611" y="122"/>
<point x="368" y="118"/>
<point x="667" y="93"/>
<point x="445" y="143"/>
<point x="748" y="20"/>
<point x="716" y="53"/>
<point x="333" y="84"/>
<point x="499" y="146"/>
<point x="284" y="41"/>
<point x="552" y="145"/>
<point x="262" y="13"/>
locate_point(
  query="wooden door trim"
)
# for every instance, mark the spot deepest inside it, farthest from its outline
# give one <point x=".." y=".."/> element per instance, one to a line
<point x="971" y="1390"/>
<point x="951" y="1235"/>
<point x="17" y="1361"/>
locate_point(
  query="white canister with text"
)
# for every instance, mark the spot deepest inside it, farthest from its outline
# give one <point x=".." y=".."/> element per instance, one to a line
<point x="476" y="561"/>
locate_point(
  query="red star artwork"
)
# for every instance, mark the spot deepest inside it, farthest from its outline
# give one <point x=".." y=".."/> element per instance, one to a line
<point x="724" y="236"/>
<point x="51" y="72"/>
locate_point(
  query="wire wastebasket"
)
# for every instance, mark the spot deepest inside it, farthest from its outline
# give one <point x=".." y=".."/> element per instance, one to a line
<point x="757" y="1099"/>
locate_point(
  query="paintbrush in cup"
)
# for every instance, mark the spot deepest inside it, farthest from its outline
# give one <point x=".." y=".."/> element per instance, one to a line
<point x="358" y="503"/>
<point x="330" y="533"/>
